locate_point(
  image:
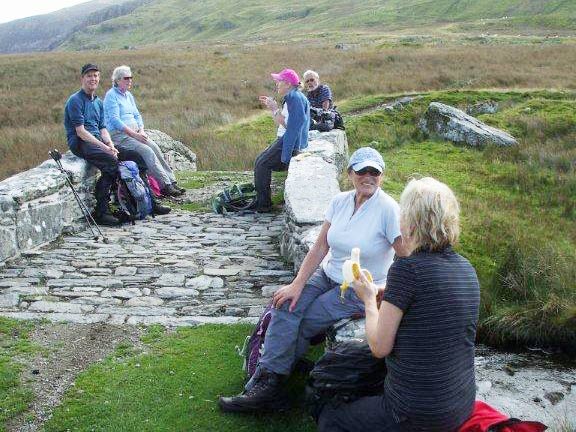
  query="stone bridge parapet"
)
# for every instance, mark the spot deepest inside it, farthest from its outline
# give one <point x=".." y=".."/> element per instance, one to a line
<point x="36" y="206"/>
<point x="311" y="183"/>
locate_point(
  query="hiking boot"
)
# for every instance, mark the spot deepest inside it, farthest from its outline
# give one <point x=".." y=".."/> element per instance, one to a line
<point x="266" y="394"/>
<point x="178" y="188"/>
<point x="106" y="219"/>
<point x="160" y="209"/>
<point x="170" y="190"/>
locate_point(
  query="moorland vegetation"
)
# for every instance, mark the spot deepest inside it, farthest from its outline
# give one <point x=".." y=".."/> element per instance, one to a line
<point x="518" y="204"/>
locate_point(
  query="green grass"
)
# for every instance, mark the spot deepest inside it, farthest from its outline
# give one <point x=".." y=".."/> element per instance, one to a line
<point x="180" y="20"/>
<point x="517" y="204"/>
<point x="174" y="387"/>
<point x="14" y="344"/>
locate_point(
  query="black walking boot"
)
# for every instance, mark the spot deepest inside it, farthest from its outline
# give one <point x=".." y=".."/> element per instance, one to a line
<point x="159" y="208"/>
<point x="105" y="218"/>
<point x="266" y="394"/>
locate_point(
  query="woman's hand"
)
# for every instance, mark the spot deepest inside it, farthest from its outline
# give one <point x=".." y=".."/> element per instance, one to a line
<point x="364" y="289"/>
<point x="290" y="293"/>
<point x="269" y="103"/>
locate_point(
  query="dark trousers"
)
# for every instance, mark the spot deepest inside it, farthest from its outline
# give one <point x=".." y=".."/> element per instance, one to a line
<point x="266" y="162"/>
<point x="364" y="414"/>
<point x="108" y="166"/>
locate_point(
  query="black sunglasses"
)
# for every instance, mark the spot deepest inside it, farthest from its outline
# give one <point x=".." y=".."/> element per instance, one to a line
<point x="368" y="170"/>
<point x="126" y="78"/>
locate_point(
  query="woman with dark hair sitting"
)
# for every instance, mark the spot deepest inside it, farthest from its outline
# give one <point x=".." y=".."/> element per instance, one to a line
<point x="425" y="327"/>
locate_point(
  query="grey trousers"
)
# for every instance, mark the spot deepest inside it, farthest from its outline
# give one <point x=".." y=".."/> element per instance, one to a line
<point x="150" y="152"/>
<point x="288" y="335"/>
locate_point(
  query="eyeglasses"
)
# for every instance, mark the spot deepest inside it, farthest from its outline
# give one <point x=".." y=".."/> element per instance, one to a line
<point x="368" y="170"/>
<point x="127" y="78"/>
<point x="309" y="80"/>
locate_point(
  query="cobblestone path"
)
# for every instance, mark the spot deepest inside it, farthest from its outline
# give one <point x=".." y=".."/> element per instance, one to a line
<point x="180" y="269"/>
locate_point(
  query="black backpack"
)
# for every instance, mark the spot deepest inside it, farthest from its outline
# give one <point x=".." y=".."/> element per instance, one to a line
<point x="325" y="120"/>
<point x="346" y="372"/>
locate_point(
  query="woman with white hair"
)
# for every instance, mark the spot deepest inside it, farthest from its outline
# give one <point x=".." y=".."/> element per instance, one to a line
<point x="126" y="127"/>
<point x="425" y="326"/>
<point x="319" y="95"/>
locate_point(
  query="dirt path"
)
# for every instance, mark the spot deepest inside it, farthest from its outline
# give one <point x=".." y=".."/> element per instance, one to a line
<point x="67" y="350"/>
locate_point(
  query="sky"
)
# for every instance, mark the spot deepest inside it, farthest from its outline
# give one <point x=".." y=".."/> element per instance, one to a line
<point x="15" y="9"/>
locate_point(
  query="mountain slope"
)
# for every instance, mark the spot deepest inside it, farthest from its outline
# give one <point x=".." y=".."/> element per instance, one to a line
<point x="47" y="32"/>
<point x="165" y="21"/>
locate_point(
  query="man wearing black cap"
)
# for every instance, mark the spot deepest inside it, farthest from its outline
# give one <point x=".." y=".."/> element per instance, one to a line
<point x="88" y="139"/>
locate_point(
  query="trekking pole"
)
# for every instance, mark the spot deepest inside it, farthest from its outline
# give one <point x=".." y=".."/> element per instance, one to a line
<point x="55" y="154"/>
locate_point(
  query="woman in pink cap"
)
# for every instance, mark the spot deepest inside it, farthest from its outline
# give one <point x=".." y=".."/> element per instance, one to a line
<point x="293" y="121"/>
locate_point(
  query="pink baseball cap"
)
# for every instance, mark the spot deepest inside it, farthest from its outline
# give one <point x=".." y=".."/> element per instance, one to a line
<point x="287" y="75"/>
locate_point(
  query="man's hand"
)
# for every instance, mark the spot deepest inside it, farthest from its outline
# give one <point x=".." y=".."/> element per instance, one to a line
<point x="141" y="132"/>
<point x="287" y="293"/>
<point x="113" y="149"/>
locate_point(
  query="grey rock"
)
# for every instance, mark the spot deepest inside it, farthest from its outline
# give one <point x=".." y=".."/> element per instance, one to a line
<point x="125" y="271"/>
<point x="485" y="107"/>
<point x="144" y="301"/>
<point x="9" y="300"/>
<point x="60" y="307"/>
<point x="126" y="293"/>
<point x="455" y="125"/>
<point x="171" y="280"/>
<point x="174" y="292"/>
<point x="220" y="271"/>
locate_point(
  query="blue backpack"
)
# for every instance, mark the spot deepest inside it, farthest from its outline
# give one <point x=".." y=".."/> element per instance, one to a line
<point x="133" y="195"/>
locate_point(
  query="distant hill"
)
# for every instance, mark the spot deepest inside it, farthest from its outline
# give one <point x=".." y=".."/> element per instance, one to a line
<point x="143" y="22"/>
<point x="49" y="31"/>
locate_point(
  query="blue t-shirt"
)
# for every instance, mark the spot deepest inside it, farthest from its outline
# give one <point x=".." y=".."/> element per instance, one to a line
<point x="79" y="110"/>
<point x="318" y="95"/>
<point x="373" y="229"/>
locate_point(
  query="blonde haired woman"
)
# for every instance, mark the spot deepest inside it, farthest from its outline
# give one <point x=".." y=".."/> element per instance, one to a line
<point x="425" y="327"/>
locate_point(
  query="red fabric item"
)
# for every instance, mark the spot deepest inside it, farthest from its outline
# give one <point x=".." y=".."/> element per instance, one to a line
<point x="154" y="186"/>
<point x="484" y="417"/>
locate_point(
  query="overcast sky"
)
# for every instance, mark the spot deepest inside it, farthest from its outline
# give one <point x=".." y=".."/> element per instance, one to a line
<point x="14" y="9"/>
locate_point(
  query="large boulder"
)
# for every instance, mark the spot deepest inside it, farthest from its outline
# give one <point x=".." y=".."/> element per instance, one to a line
<point x="455" y="125"/>
<point x="178" y="156"/>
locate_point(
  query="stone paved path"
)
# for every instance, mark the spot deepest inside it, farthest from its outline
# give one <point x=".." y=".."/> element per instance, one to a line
<point x="179" y="269"/>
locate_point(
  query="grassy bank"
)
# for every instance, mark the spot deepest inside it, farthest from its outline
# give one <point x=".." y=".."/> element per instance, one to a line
<point x="196" y="92"/>
<point x="173" y="387"/>
<point x="15" y="345"/>
<point x="518" y="204"/>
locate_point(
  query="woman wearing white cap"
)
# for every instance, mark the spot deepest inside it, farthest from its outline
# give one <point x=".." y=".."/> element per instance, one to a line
<point x="293" y="121"/>
<point x="366" y="218"/>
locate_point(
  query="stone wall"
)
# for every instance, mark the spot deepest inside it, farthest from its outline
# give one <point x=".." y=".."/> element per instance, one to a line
<point x="36" y="206"/>
<point x="311" y="183"/>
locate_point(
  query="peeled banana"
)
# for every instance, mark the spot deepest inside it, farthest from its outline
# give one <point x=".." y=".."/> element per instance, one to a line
<point x="351" y="271"/>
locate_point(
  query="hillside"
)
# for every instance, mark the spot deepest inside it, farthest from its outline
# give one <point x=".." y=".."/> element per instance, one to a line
<point x="49" y="31"/>
<point x="143" y="22"/>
